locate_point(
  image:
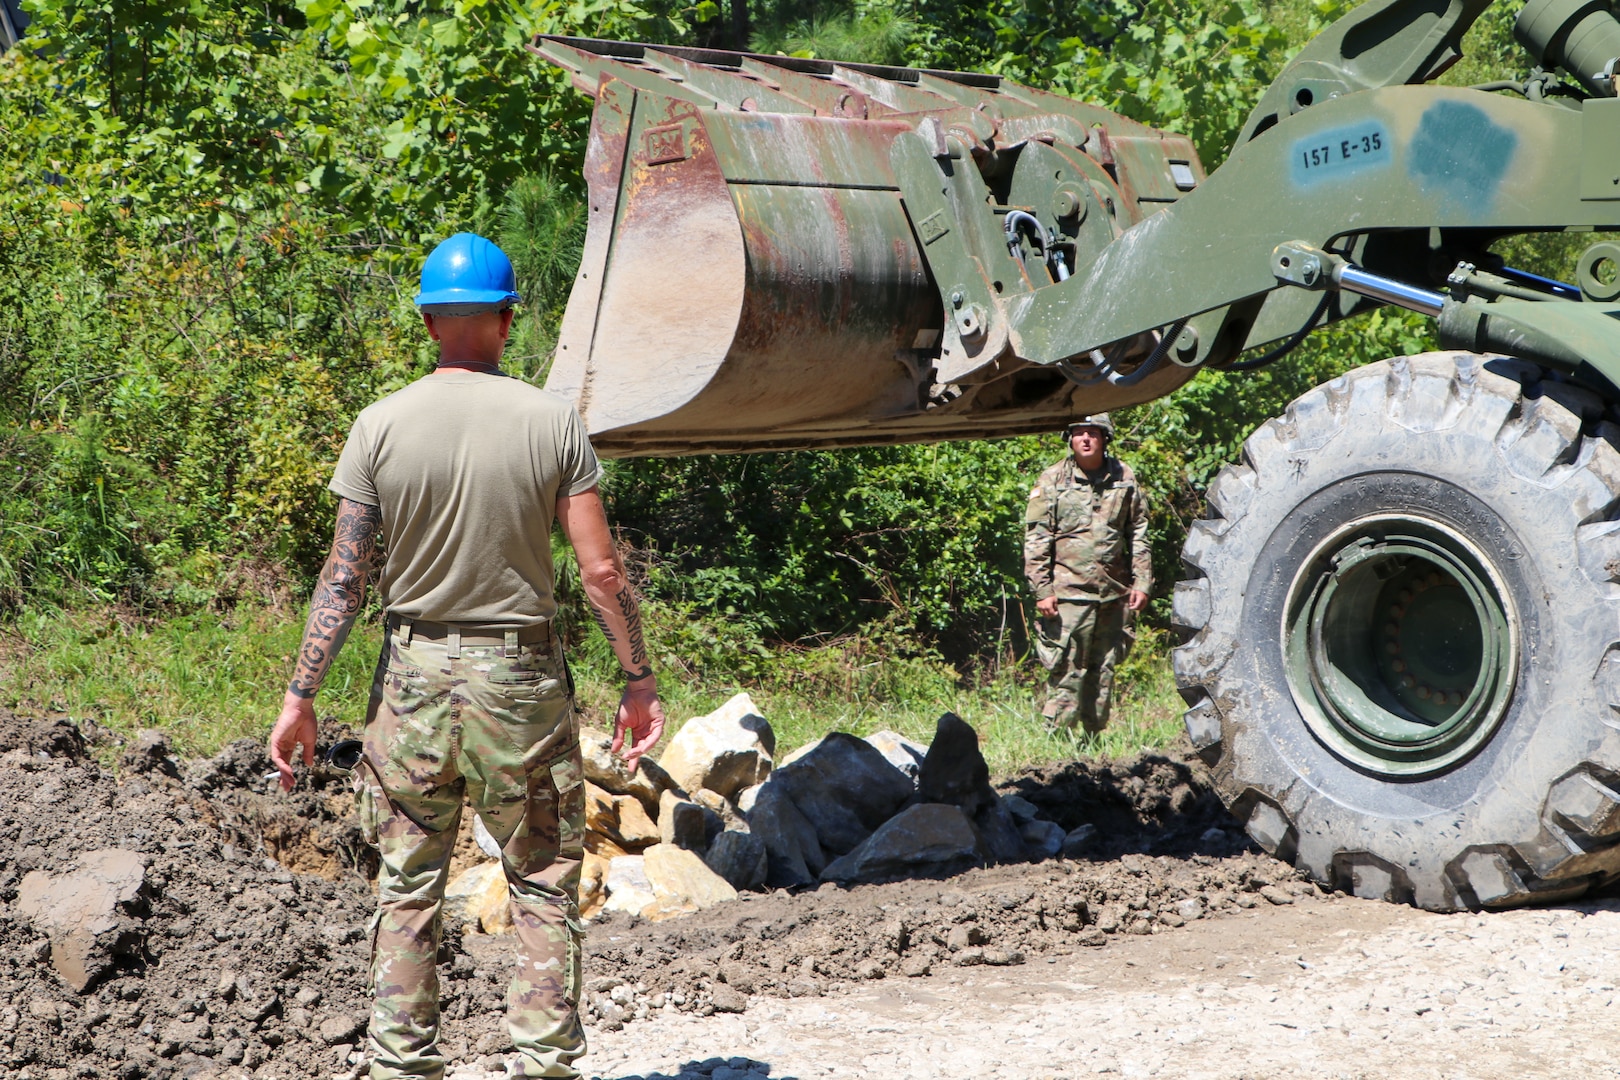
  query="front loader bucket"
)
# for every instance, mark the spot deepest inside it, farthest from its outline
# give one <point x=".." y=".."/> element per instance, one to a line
<point x="756" y="277"/>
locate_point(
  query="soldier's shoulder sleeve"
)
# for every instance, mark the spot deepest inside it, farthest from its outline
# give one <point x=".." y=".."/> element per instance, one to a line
<point x="1124" y="474"/>
<point x="1035" y="511"/>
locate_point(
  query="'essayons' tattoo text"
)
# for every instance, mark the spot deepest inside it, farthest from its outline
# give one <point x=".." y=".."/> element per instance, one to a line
<point x="632" y="628"/>
<point x="338" y="595"/>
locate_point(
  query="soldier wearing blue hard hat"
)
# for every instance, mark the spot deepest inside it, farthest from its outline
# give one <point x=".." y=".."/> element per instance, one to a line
<point x="467" y="275"/>
<point x="461" y="475"/>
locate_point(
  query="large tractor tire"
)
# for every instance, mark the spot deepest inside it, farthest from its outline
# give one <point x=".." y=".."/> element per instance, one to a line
<point x="1401" y="652"/>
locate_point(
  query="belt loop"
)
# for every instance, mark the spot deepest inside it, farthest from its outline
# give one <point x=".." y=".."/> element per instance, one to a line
<point x="510" y="649"/>
<point x="410" y="630"/>
<point x="453" y="645"/>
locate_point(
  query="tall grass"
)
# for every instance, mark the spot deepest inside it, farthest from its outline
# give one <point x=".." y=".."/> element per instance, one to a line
<point x="208" y="678"/>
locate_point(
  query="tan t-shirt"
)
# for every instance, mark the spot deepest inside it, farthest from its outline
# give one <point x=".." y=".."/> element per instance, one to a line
<point x="467" y="468"/>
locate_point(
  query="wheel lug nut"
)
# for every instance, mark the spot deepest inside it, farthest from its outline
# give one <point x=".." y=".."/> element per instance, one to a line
<point x="1408" y="682"/>
<point x="1423" y="692"/>
<point x="1398" y="665"/>
<point x="1393" y="649"/>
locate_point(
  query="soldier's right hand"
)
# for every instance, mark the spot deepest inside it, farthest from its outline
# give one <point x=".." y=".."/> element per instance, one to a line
<point x="1047" y="607"/>
<point x="295" y="729"/>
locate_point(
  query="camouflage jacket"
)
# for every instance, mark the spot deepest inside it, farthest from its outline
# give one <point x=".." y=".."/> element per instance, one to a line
<point x="1084" y="538"/>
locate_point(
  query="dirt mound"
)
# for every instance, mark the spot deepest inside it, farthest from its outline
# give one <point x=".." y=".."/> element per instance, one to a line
<point x="1151" y="804"/>
<point x="234" y="959"/>
<point x="1166" y="853"/>
<point x="243" y="951"/>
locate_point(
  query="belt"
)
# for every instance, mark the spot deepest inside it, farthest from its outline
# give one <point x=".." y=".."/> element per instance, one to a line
<point x="455" y="636"/>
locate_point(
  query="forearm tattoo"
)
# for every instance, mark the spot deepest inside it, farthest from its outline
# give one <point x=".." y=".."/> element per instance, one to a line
<point x="632" y="627"/>
<point x="338" y="594"/>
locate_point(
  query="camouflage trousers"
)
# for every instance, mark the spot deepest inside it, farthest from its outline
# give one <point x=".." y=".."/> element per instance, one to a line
<point x="1079" y="648"/>
<point x="498" y="732"/>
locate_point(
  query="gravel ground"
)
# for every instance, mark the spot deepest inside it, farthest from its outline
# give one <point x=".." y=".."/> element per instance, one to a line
<point x="1347" y="988"/>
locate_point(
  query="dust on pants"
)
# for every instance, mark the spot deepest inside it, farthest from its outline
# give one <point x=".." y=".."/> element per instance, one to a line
<point x="1079" y="648"/>
<point x="498" y="732"/>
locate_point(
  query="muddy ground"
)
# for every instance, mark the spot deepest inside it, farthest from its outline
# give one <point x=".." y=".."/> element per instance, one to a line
<point x="246" y="950"/>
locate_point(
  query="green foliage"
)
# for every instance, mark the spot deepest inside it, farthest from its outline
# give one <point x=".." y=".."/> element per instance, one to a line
<point x="867" y="33"/>
<point x="541" y="227"/>
<point x="206" y="678"/>
<point x="923" y="538"/>
<point x="463" y="110"/>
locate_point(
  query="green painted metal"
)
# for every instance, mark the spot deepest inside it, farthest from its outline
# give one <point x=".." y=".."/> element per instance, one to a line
<point x="1400" y="649"/>
<point x="787" y="252"/>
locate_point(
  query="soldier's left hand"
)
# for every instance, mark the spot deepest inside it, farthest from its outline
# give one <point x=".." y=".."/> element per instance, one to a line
<point x="641" y="718"/>
<point x="1136" y="599"/>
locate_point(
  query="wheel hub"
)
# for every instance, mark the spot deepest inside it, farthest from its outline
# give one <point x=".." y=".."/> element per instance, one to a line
<point x="1401" y="648"/>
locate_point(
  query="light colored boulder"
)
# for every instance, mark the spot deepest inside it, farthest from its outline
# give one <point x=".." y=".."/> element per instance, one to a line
<point x="620" y="819"/>
<point x="728" y="816"/>
<point x="899" y="751"/>
<point x="930" y="838"/>
<point x="807" y="748"/>
<point x="608" y="771"/>
<point x="628" y="888"/>
<point x="726" y="751"/>
<point x="680" y="878"/>
<point x="592" y="884"/>
<point x="747" y="797"/>
<point x="601" y="813"/>
<point x="83" y="912"/>
<point x="739" y="857"/>
<point x="637" y="829"/>
<point x="603" y="847"/>
<point x="485" y="841"/>
<point x="469" y="897"/>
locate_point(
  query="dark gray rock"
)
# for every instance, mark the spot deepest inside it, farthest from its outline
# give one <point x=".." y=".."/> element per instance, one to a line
<point x="739" y="856"/>
<point x="927" y="839"/>
<point x="844" y="788"/>
<point x="1042" y="839"/>
<point x="794" y="853"/>
<point x="955" y="772"/>
<point x="1080" y="839"/>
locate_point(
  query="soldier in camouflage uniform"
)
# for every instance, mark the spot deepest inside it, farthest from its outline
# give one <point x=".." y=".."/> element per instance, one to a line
<point x="1087" y="560"/>
<point x="463" y="474"/>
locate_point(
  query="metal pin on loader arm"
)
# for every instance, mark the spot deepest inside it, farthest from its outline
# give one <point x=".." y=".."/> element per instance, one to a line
<point x="1298" y="263"/>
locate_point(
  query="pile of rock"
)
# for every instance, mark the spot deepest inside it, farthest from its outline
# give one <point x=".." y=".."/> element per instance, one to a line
<point x="717" y="814"/>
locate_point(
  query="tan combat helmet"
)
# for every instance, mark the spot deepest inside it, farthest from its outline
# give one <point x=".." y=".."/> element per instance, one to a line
<point x="1098" y="420"/>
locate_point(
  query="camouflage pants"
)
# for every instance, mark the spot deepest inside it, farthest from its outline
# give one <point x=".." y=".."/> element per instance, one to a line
<point x="496" y="731"/>
<point x="1079" y="648"/>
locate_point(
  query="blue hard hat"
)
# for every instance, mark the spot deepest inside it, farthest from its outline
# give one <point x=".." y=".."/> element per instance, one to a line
<point x="467" y="274"/>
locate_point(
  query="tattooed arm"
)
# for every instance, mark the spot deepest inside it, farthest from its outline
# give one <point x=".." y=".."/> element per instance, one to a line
<point x="338" y="596"/>
<point x="613" y="603"/>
